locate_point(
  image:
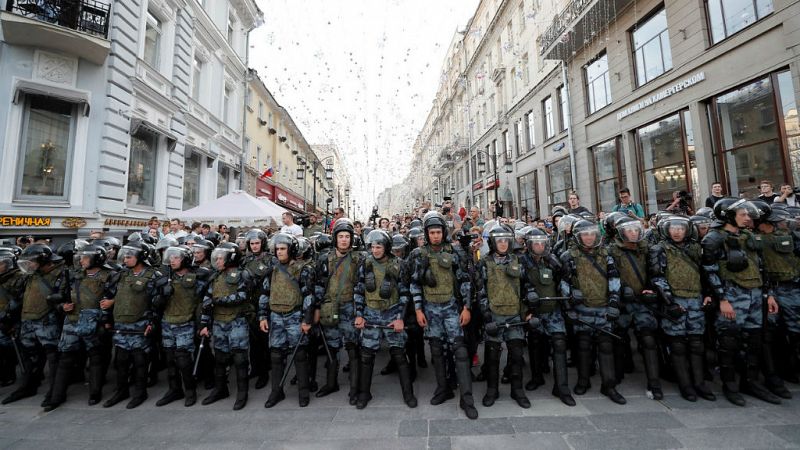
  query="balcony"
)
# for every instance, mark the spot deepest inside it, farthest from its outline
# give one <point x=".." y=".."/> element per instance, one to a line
<point x="579" y="23"/>
<point x="77" y="27"/>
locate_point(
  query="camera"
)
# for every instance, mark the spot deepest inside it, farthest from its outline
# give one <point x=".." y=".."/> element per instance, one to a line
<point x="467" y="239"/>
<point x="446" y="210"/>
<point x="685" y="196"/>
<point x="302" y="220"/>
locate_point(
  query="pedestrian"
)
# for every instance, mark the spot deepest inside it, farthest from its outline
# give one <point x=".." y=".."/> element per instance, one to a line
<point x="574" y="202"/>
<point x="716" y="194"/>
<point x="767" y="195"/>
<point x="627" y="205"/>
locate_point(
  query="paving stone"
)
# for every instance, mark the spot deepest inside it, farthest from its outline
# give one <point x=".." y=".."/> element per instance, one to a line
<point x="551" y="424"/>
<point x="635" y="421"/>
<point x="729" y="417"/>
<point x="519" y="441"/>
<point x="439" y="443"/>
<point x="676" y="402"/>
<point x="731" y="437"/>
<point x="616" y="440"/>
<point x="467" y="427"/>
<point x="635" y="404"/>
<point x="414" y="427"/>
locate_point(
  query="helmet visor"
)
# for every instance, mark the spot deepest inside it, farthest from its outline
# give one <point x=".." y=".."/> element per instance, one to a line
<point x="539" y="245"/>
<point x="588" y="237"/>
<point x="631" y="231"/>
<point x="28" y="266"/>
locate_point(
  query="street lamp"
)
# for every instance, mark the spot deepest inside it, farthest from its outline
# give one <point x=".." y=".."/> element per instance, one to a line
<point x="482" y="168"/>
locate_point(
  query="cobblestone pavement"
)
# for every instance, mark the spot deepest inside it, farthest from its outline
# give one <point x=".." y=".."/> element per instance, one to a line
<point x="330" y="423"/>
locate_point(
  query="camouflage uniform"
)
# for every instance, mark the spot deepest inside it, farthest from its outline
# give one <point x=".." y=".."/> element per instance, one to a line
<point x="12" y="286"/>
<point x="258" y="265"/>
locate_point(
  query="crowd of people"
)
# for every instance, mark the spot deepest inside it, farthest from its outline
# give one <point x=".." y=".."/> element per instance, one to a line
<point x="701" y="293"/>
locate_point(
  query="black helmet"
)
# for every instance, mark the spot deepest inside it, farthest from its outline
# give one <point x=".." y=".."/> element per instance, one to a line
<point x="585" y="227"/>
<point x="672" y="222"/>
<point x="343" y="225"/>
<point x="108" y="243"/>
<point x="706" y="212"/>
<point x="416" y="223"/>
<point x="413" y="236"/>
<point x="726" y="208"/>
<point x="15" y="249"/>
<point x="536" y="236"/>
<point x="399" y="242"/>
<point x="166" y="242"/>
<point x="285" y="239"/>
<point x="135" y="237"/>
<point x="179" y="253"/>
<point x="322" y="242"/>
<point x="96" y="253"/>
<point x="204" y="246"/>
<point x="214" y="237"/>
<point x="35" y="256"/>
<point x="8" y="260"/>
<point x="68" y="250"/>
<point x="497" y="233"/>
<point x="256" y="234"/>
<point x="434" y="219"/>
<point x="777" y="215"/>
<point x="763" y="208"/>
<point x="137" y="249"/>
<point x="364" y="232"/>
<point x="521" y="232"/>
<point x="304" y="248"/>
<point x="230" y="252"/>
<point x="629" y="229"/>
<point x="559" y="211"/>
<point x="379" y="237"/>
<point x="567" y="222"/>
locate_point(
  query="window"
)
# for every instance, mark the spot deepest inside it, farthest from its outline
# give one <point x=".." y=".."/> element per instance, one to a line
<point x="152" y="40"/>
<point x="197" y="78"/>
<point x="563" y="105"/>
<point x="492" y="108"/>
<point x="223" y="174"/>
<point x="559" y="177"/>
<point x="609" y="173"/>
<point x="513" y="83"/>
<point x="667" y="161"/>
<point x="507" y="142"/>
<point x="651" y="49"/>
<point x="260" y="110"/>
<point x="142" y="169"/>
<point x="46" y="148"/>
<point x="518" y="139"/>
<point x="598" y="85"/>
<point x="231" y="27"/>
<point x="191" y="180"/>
<point x="226" y="105"/>
<point x="260" y="165"/>
<point x="528" y="199"/>
<point x="521" y="14"/>
<point x="547" y="113"/>
<point x="727" y="17"/>
<point x="791" y="121"/>
<point x="749" y="136"/>
<point x="531" y="130"/>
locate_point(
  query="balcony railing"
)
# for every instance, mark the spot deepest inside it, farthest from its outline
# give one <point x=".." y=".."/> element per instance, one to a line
<point x="87" y="16"/>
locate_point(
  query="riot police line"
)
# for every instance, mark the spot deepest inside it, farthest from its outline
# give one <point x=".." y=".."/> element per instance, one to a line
<point x="712" y="293"/>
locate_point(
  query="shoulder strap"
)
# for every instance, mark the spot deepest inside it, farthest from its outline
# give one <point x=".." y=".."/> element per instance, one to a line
<point x="635" y="265"/>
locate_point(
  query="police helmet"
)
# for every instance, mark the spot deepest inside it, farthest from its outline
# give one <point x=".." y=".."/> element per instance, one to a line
<point x="537" y="241"/>
<point x="228" y="251"/>
<point x="180" y="253"/>
<point x="289" y="240"/>
<point x="96" y="253"/>
<point x="582" y="229"/>
<point x="629" y="229"/>
<point x="497" y="234"/>
<point x="379" y="237"/>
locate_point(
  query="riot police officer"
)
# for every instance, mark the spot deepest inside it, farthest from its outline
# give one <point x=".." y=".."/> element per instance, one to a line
<point x="381" y="297"/>
<point x="442" y="293"/>
<point x="257" y="262"/>
<point x="590" y="278"/>
<point x="225" y="308"/>
<point x="139" y="286"/>
<point x="12" y="286"/>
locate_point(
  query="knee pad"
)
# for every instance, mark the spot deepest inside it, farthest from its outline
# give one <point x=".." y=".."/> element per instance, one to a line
<point x="123" y="356"/>
<point x="367" y="355"/>
<point x="696" y="344"/>
<point x="677" y="345"/>
<point x="559" y="343"/>
<point x="301" y="355"/>
<point x="515" y="350"/>
<point x="584" y="342"/>
<point x="221" y="357"/>
<point x="460" y="352"/>
<point x="728" y="341"/>
<point x="436" y="348"/>
<point x="648" y="339"/>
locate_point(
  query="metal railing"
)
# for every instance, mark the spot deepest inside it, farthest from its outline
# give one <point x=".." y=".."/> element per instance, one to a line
<point x="87" y="16"/>
<point x="561" y="21"/>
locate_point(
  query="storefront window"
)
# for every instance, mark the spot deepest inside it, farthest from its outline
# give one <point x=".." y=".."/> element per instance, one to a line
<point x="528" y="201"/>
<point x="191" y="180"/>
<point x="663" y="157"/>
<point x="46" y="148"/>
<point x="609" y="173"/>
<point x="222" y="179"/>
<point x="791" y="121"/>
<point x="559" y="177"/>
<point x="142" y="169"/>
<point x="749" y="135"/>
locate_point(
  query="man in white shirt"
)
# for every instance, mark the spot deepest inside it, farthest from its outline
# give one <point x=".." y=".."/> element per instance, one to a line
<point x="289" y="226"/>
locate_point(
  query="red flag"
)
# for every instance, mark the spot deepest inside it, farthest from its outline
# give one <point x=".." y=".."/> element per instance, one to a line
<point x="267" y="173"/>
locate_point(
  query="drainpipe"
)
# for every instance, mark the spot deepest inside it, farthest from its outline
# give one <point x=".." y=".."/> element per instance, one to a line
<point x="569" y="128"/>
<point x="244" y="111"/>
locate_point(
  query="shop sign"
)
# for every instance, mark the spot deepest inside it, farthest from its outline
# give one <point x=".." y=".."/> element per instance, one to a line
<point x="24" y="221"/>
<point x="661" y="95"/>
<point x="127" y="223"/>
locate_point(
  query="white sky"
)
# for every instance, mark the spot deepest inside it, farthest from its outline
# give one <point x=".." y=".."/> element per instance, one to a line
<point x="361" y="74"/>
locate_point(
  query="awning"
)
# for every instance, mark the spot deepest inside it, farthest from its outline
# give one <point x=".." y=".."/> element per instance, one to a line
<point x="141" y="124"/>
<point x="31" y="87"/>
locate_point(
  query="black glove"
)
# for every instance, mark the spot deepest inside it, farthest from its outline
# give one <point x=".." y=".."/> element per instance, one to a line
<point x="612" y="313"/>
<point x="386" y="289"/>
<point x="674" y="311"/>
<point x="576" y="298"/>
<point x="369" y="281"/>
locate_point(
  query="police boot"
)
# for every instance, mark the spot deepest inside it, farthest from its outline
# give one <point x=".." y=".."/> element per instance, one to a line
<point x="650" y="356"/>
<point x="584" y="362"/>
<point x="389" y="368"/>
<point x="696" y="361"/>
<point x="491" y="361"/>
<point x="793" y="359"/>
<point x="276" y="361"/>
<point x="605" y="355"/>
<point x="443" y="391"/>
<point x="515" y="350"/>
<point x="621" y="348"/>
<point x="680" y="368"/>
<point x="560" y="383"/>
<point x="411" y="357"/>
<point x="240" y="363"/>
<point x="535" y="361"/>
<point x="365" y="377"/>
<point x="419" y="346"/>
<point x="51" y="353"/>
<point x="398" y="355"/>
<point x="728" y="350"/>
<point x="464" y="375"/>
<point x="220" y="390"/>
<point x="155" y="361"/>
<point x="353" y="358"/>
<point x="183" y="360"/>
<point x="749" y="381"/>
<point x="140" y="371"/>
<point x="313" y="352"/>
<point x="123" y="366"/>
<point x="8" y="366"/>
<point x="95" y="376"/>
<point x="175" y="391"/>
<point x="331" y="376"/>
<point x="301" y="369"/>
<point x="61" y="381"/>
<point x="772" y="381"/>
<point x="31" y="377"/>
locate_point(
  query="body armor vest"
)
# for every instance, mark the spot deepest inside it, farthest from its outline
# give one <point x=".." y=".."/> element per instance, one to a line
<point x="750" y="276"/>
<point x="441" y="264"/>
<point x="588" y="278"/>
<point x="132" y="297"/>
<point x="682" y="271"/>
<point x="543" y="279"/>
<point x="285" y="295"/>
<point x="258" y="267"/>
<point x="39" y="286"/>
<point x="374" y="299"/>
<point x="780" y="262"/>
<point x="9" y="288"/>
<point x="87" y="292"/>
<point x="503" y="286"/>
<point x="183" y="303"/>
<point x="632" y="265"/>
<point x="225" y="284"/>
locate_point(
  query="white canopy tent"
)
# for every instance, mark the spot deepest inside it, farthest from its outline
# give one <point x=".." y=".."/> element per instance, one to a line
<point x="236" y="209"/>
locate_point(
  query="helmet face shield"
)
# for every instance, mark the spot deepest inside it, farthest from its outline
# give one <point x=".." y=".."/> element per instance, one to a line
<point x="176" y="257"/>
<point x="28" y="266"/>
<point x="7" y="260"/>
<point x="588" y="237"/>
<point x="632" y="231"/>
<point x="676" y="229"/>
<point x="126" y="253"/>
<point x="538" y="245"/>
